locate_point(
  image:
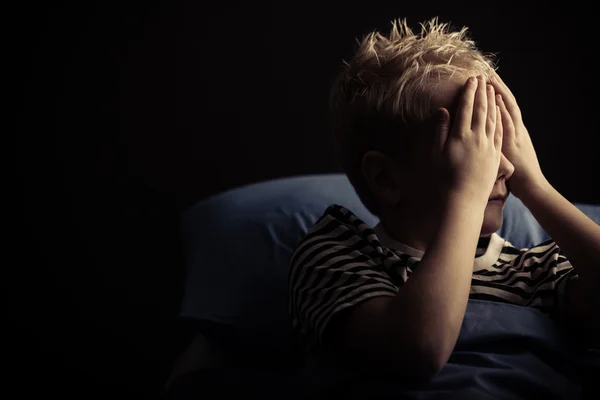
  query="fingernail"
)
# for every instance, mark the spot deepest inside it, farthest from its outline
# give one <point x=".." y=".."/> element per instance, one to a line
<point x="472" y="79"/>
<point x="490" y="88"/>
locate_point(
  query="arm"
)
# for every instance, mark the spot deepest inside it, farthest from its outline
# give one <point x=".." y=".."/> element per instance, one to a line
<point x="414" y="333"/>
<point x="579" y="238"/>
<point x="576" y="234"/>
<point x="573" y="231"/>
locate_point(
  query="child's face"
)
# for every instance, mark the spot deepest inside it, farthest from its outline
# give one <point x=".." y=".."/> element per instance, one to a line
<point x="492" y="220"/>
<point x="448" y="97"/>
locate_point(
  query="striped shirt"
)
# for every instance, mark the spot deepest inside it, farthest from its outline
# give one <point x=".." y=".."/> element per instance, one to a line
<point x="342" y="262"/>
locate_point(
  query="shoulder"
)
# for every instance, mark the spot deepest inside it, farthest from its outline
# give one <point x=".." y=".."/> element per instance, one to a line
<point x="546" y="253"/>
<point x="338" y="265"/>
<point x="546" y="247"/>
<point x="337" y="229"/>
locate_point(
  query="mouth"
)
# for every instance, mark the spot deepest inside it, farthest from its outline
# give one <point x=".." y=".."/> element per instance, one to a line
<point x="499" y="198"/>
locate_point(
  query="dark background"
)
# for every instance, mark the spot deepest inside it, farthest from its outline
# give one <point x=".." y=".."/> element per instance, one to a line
<point x="129" y="113"/>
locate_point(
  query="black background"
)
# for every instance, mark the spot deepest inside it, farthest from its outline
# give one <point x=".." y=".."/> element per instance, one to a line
<point x="128" y="113"/>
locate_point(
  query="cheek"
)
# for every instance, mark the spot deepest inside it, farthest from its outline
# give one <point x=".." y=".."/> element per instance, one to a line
<point x="493" y="213"/>
<point x="494" y="208"/>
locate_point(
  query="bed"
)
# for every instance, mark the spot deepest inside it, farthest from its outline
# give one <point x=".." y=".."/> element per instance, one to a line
<point x="238" y="244"/>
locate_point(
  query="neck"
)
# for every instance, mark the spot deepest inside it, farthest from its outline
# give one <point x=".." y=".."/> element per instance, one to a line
<point x="416" y="228"/>
<point x="411" y="226"/>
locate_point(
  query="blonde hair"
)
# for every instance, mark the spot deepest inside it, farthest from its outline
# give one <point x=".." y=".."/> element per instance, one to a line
<point x="385" y="92"/>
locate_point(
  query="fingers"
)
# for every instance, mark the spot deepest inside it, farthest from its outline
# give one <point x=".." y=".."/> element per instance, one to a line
<point x="508" y="126"/>
<point x="480" y="107"/>
<point x="465" y="106"/>
<point x="507" y="95"/>
<point x="499" y="133"/>
<point x="490" y="127"/>
<point x="442" y="128"/>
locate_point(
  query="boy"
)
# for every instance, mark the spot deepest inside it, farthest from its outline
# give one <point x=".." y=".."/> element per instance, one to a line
<point x="432" y="140"/>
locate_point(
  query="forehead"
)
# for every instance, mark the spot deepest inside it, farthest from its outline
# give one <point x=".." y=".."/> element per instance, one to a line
<point x="448" y="93"/>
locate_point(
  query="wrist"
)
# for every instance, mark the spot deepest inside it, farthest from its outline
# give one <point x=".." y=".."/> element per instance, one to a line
<point x="465" y="202"/>
<point x="466" y="198"/>
<point x="533" y="189"/>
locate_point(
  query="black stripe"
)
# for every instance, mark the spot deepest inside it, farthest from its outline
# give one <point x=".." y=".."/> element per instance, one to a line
<point x="343" y="237"/>
<point x="329" y="311"/>
<point x="359" y="246"/>
<point x="360" y="259"/>
<point x="510" y="250"/>
<point x="530" y="253"/>
<point x="339" y="212"/>
<point x="562" y="276"/>
<point x="502" y="263"/>
<point x="349" y="287"/>
<point x="564" y="272"/>
<point x="551" y="263"/>
<point x="545" y="243"/>
<point x="357" y="222"/>
<point x="305" y="306"/>
<point x="313" y="306"/>
<point x="513" y="264"/>
<point x="308" y="268"/>
<point x="516" y="290"/>
<point x="532" y="283"/>
<point x="296" y="270"/>
<point x="339" y="220"/>
<point x="519" y="259"/>
<point x="324" y="231"/>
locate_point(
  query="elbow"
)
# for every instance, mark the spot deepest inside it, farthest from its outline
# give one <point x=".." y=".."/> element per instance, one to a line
<point x="430" y="363"/>
<point x="418" y="364"/>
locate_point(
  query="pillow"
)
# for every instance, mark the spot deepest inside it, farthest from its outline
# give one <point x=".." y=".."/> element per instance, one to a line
<point x="238" y="245"/>
<point x="520" y="227"/>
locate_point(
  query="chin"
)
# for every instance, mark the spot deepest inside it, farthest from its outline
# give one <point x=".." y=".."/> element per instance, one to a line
<point x="492" y="220"/>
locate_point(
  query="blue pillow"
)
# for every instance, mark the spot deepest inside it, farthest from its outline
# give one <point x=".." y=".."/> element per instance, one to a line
<point x="238" y="245"/>
<point x="521" y="228"/>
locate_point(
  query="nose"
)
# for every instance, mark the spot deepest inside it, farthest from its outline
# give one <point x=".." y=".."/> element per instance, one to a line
<point x="506" y="168"/>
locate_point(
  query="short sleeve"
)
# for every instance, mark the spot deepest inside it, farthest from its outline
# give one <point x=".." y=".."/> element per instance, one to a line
<point x="560" y="290"/>
<point x="330" y="276"/>
<point x="559" y="270"/>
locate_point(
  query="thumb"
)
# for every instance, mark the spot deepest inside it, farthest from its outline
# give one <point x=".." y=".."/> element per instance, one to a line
<point x="442" y="127"/>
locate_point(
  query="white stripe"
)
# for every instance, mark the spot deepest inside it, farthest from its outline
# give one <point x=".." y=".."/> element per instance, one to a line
<point x="307" y="267"/>
<point x="547" y="267"/>
<point x="308" y="289"/>
<point x="338" y="287"/>
<point x="525" y="262"/>
<point x="310" y="267"/>
<point x="340" y="230"/>
<point x="522" y="264"/>
<point x="338" y="246"/>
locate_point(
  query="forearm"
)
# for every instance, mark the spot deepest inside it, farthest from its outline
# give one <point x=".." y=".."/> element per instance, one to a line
<point x="574" y="232"/>
<point x="436" y="295"/>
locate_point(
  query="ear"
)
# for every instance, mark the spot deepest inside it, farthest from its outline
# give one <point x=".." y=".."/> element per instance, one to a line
<point x="382" y="176"/>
